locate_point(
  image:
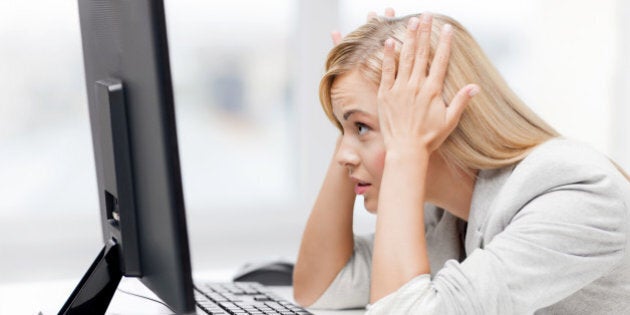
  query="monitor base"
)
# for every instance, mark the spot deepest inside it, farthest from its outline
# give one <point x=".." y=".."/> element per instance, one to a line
<point x="97" y="287"/>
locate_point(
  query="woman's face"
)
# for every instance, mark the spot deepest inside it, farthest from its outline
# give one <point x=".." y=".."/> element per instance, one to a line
<point x="362" y="150"/>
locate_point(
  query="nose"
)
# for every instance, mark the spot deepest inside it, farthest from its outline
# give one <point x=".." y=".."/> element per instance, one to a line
<point x="347" y="155"/>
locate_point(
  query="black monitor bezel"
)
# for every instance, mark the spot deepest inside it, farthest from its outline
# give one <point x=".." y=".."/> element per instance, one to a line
<point x="126" y="42"/>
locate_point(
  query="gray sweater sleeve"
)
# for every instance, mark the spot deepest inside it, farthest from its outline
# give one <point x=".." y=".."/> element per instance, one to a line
<point x="558" y="243"/>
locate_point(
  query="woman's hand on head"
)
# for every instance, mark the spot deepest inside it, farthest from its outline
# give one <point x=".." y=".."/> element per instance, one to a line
<point x="336" y="35"/>
<point x="412" y="111"/>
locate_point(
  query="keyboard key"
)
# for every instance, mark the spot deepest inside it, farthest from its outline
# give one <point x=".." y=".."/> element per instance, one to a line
<point x="242" y="298"/>
<point x="262" y="298"/>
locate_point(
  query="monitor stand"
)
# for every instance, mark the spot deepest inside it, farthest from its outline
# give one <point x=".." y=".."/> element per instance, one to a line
<point x="97" y="287"/>
<point x="120" y="255"/>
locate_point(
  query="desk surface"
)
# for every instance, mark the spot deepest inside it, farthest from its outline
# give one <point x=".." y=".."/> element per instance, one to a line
<point x="47" y="297"/>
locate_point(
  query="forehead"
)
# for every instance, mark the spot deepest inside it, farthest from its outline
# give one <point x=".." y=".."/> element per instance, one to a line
<point x="352" y="89"/>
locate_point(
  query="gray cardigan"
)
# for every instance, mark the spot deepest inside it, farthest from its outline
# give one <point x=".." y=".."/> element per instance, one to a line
<point x="547" y="236"/>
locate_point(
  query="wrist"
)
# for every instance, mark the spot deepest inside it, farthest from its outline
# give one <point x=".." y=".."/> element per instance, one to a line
<point x="406" y="150"/>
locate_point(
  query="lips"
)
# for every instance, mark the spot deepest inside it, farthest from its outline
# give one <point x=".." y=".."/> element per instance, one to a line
<point x="360" y="188"/>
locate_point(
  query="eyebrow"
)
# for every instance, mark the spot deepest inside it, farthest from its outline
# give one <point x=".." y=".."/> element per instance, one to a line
<point x="347" y="114"/>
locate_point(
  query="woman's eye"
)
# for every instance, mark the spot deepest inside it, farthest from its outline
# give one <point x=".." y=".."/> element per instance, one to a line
<point x="362" y="128"/>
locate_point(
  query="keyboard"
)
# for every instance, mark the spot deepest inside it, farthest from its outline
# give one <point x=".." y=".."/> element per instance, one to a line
<point x="241" y="298"/>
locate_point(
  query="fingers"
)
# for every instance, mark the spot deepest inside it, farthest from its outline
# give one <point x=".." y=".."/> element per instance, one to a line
<point x="408" y="50"/>
<point x="423" y="50"/>
<point x="370" y="15"/>
<point x="458" y="104"/>
<point x="389" y="12"/>
<point x="388" y="69"/>
<point x="442" y="54"/>
<point x="336" y="37"/>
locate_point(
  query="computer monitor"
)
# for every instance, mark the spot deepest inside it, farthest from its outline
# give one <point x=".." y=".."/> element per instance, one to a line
<point x="132" y="118"/>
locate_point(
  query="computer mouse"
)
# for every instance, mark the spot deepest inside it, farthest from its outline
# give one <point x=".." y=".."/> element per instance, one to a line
<point x="270" y="272"/>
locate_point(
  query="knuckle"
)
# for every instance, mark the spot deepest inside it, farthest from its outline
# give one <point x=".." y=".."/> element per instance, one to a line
<point x="432" y="88"/>
<point x="388" y="68"/>
<point x="395" y="87"/>
<point x="442" y="59"/>
<point x="413" y="84"/>
<point x="408" y="58"/>
<point x="422" y="52"/>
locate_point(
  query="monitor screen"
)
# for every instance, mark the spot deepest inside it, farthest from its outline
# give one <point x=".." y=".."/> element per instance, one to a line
<point x="132" y="118"/>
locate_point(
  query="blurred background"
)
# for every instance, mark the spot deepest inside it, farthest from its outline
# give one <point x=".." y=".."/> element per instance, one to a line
<point x="254" y="143"/>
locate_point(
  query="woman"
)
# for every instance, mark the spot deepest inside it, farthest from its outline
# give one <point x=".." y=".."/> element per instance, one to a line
<point x="482" y="208"/>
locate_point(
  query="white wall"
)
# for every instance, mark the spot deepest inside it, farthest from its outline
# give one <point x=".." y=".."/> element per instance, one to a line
<point x="575" y="52"/>
<point x="621" y="88"/>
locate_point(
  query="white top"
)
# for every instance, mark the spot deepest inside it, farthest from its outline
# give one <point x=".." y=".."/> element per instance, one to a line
<point x="549" y="235"/>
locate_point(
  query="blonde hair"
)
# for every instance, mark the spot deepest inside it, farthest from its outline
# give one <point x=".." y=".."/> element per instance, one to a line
<point x="497" y="129"/>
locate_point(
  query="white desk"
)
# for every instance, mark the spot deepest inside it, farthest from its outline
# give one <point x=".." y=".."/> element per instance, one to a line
<point x="48" y="297"/>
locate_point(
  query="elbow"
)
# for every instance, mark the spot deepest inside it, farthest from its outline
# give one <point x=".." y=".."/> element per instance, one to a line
<point x="302" y="300"/>
<point x="302" y="292"/>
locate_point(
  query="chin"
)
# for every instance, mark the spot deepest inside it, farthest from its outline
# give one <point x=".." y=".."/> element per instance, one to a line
<point x="370" y="205"/>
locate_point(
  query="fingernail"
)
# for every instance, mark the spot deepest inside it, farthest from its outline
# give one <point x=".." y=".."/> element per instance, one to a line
<point x="389" y="43"/>
<point x="448" y="28"/>
<point x="473" y="91"/>
<point x="413" y="23"/>
<point x="426" y="17"/>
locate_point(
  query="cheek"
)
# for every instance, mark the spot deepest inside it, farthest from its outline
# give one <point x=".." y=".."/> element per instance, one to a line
<point x="379" y="163"/>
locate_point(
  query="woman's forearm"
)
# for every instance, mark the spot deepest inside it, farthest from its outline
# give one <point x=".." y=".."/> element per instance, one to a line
<point x="400" y="245"/>
<point x="327" y="242"/>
